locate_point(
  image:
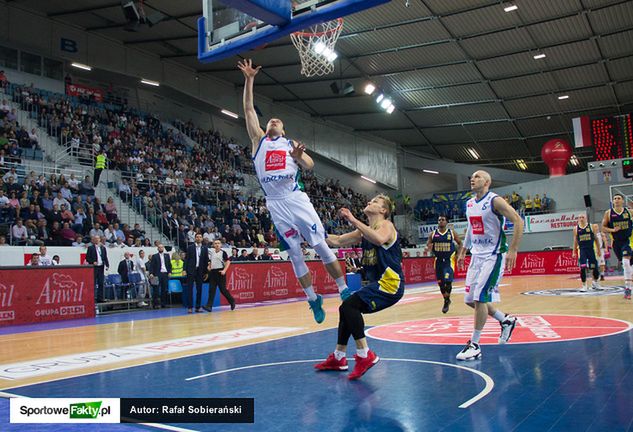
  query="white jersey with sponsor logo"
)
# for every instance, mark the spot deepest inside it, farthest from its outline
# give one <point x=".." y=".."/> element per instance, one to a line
<point x="485" y="226"/>
<point x="277" y="171"/>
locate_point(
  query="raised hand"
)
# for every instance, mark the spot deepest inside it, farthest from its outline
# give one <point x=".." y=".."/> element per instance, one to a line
<point x="246" y="66"/>
<point x="297" y="150"/>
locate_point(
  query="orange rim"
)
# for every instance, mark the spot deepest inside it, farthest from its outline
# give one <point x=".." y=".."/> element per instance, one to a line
<point x="319" y="34"/>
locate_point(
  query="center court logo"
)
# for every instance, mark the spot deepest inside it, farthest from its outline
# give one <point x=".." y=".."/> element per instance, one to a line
<point x="577" y="292"/>
<point x="529" y="329"/>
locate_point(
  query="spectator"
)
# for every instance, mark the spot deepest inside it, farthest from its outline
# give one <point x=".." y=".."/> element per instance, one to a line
<point x="126" y="267"/>
<point x="254" y="255"/>
<point x="67" y="235"/>
<point x="56" y="260"/>
<point x="19" y="234"/>
<point x="3" y="241"/>
<point x="140" y="265"/>
<point x="97" y="256"/>
<point x="111" y="210"/>
<point x="243" y="256"/>
<point x="177" y="265"/>
<point x="35" y="260"/>
<point x="160" y="267"/>
<point x="266" y="255"/>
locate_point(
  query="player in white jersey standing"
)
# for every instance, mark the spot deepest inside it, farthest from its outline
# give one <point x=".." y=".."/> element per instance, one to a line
<point x="486" y="213"/>
<point x="277" y="160"/>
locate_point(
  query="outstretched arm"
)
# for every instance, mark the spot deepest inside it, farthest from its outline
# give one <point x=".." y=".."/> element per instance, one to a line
<point x="379" y="236"/>
<point x="344" y="240"/>
<point x="300" y="156"/>
<point x="252" y="123"/>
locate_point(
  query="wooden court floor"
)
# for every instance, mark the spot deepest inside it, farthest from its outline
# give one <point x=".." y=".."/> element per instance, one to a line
<point x="421" y="302"/>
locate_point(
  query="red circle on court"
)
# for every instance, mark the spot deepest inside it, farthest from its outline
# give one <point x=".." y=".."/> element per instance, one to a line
<point x="529" y="329"/>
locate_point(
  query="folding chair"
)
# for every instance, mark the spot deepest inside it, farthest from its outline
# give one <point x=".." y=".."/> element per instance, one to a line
<point x="174" y="286"/>
<point x="112" y="281"/>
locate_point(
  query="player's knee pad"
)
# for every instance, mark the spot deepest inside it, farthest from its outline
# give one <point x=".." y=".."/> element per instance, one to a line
<point x="298" y="263"/>
<point x="583" y="274"/>
<point x="326" y="254"/>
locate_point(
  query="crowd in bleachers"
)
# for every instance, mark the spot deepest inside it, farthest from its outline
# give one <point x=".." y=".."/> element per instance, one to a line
<point x="535" y="204"/>
<point x="58" y="211"/>
<point x="181" y="189"/>
<point x="453" y="205"/>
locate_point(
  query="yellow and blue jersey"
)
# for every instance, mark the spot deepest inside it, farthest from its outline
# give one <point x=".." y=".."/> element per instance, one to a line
<point x="383" y="269"/>
<point x="586" y="237"/>
<point x="623" y="221"/>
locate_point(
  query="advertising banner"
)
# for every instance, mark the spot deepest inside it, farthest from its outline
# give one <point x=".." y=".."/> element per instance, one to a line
<point x="85" y="91"/>
<point x="274" y="280"/>
<point x="40" y="294"/>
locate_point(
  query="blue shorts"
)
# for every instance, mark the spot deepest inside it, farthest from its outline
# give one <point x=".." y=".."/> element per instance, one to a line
<point x="377" y="298"/>
<point x="444" y="269"/>
<point x="587" y="258"/>
<point x="622" y="250"/>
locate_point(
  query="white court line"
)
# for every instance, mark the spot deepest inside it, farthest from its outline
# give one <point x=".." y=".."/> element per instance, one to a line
<point x="154" y="425"/>
<point x="487" y="389"/>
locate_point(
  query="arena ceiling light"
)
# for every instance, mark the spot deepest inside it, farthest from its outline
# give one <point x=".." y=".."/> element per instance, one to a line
<point x="510" y="8"/>
<point x="380" y="98"/>
<point x="574" y="160"/>
<point x="322" y="49"/>
<point x="391" y="109"/>
<point x="473" y="152"/>
<point x="368" y="179"/>
<point x="150" y="82"/>
<point x="229" y="113"/>
<point x="539" y="56"/>
<point x="430" y="171"/>
<point x="386" y="103"/>
<point x="370" y="88"/>
<point x="521" y="164"/>
<point x="563" y="97"/>
<point x="81" y="66"/>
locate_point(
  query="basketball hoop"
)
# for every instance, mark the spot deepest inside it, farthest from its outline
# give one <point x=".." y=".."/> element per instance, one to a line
<point x="316" y="47"/>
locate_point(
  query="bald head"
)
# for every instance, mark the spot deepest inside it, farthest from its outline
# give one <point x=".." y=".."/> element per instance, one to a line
<point x="480" y="182"/>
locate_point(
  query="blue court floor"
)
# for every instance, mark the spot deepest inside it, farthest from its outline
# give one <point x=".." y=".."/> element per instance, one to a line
<point x="583" y="385"/>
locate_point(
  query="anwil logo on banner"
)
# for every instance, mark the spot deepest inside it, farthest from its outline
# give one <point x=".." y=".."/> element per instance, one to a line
<point x="532" y="264"/>
<point x="62" y="289"/>
<point x="6" y="302"/>
<point x="64" y="410"/>
<point x="241" y="283"/>
<point x="276" y="282"/>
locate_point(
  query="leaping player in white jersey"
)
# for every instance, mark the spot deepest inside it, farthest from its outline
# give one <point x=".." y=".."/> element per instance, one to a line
<point x="277" y="160"/>
<point x="486" y="213"/>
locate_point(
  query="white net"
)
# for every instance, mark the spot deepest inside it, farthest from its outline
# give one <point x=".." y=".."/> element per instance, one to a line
<point x="316" y="47"/>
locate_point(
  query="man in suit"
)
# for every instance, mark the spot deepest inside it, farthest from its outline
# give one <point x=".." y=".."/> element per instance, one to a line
<point x="160" y="267"/>
<point x="97" y="256"/>
<point x="126" y="266"/>
<point x="196" y="266"/>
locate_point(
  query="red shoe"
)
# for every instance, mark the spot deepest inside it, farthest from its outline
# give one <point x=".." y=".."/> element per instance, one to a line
<point x="331" y="363"/>
<point x="363" y="364"/>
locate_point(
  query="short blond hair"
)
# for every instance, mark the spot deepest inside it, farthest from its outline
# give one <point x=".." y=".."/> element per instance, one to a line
<point x="388" y="204"/>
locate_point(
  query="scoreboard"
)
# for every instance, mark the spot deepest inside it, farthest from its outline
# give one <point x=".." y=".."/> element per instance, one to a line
<point x="612" y="137"/>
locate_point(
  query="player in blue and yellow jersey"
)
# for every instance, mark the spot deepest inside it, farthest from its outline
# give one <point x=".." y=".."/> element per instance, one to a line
<point x="586" y="248"/>
<point x="382" y="261"/>
<point x="442" y="243"/>
<point x="617" y="221"/>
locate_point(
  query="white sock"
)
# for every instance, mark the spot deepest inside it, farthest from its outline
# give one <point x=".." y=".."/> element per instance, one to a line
<point x="362" y="352"/>
<point x="499" y="316"/>
<point x="476" y="336"/>
<point x="341" y="284"/>
<point x="310" y="293"/>
<point x="338" y="355"/>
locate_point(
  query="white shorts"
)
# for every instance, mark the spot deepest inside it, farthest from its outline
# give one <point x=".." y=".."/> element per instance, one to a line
<point x="295" y="217"/>
<point x="483" y="277"/>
